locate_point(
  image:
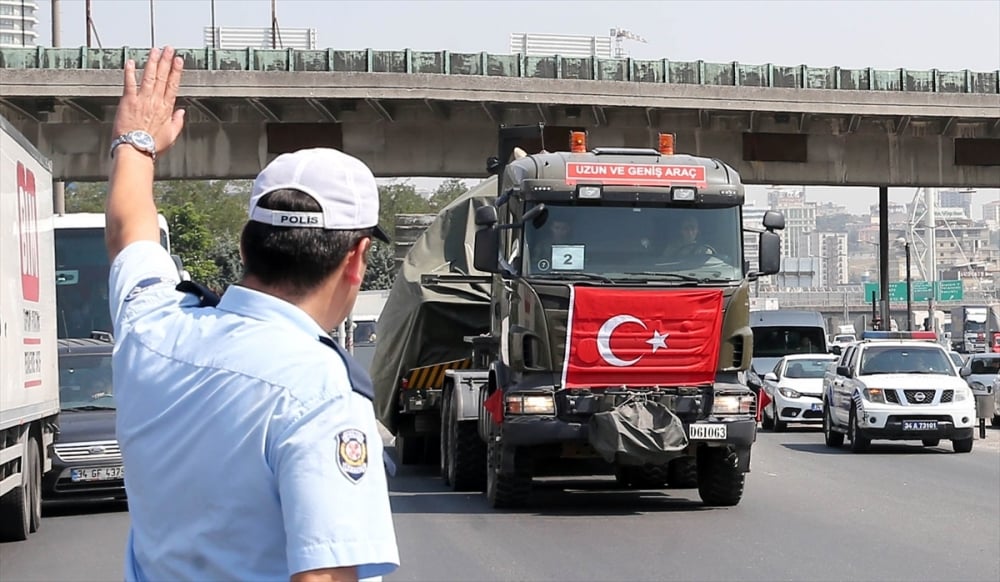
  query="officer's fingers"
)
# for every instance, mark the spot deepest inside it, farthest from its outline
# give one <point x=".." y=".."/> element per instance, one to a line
<point x="130" y="87"/>
<point x="149" y="72"/>
<point x="163" y="68"/>
<point x="174" y="81"/>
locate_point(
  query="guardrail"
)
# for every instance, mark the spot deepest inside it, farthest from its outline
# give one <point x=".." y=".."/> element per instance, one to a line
<point x="732" y="74"/>
<point x="854" y="298"/>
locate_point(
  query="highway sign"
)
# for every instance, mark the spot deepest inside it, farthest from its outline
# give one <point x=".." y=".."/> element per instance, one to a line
<point x="946" y="291"/>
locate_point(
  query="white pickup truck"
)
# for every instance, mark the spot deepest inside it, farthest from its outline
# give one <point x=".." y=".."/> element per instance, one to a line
<point x="897" y="386"/>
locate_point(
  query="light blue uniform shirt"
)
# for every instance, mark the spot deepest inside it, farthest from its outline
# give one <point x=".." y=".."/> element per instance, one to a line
<point x="247" y="455"/>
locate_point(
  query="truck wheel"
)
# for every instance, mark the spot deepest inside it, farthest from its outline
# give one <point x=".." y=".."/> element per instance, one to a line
<point x="466" y="453"/>
<point x="505" y="490"/>
<point x="859" y="444"/>
<point x="720" y="482"/>
<point x="682" y="473"/>
<point x="832" y="437"/>
<point x="35" y="463"/>
<point x="17" y="506"/>
<point x="443" y="457"/>
<point x="962" y="445"/>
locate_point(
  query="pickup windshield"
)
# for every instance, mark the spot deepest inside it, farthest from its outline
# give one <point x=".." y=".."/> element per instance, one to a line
<point x="905" y="360"/>
<point x="642" y="242"/>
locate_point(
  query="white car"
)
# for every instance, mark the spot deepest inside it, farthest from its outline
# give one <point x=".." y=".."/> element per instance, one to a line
<point x="897" y="386"/>
<point x="795" y="391"/>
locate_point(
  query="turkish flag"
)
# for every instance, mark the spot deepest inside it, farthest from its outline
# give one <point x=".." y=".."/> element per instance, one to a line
<point x="763" y="399"/>
<point x="642" y="337"/>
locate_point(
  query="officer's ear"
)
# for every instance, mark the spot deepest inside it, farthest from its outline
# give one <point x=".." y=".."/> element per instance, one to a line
<point x="356" y="262"/>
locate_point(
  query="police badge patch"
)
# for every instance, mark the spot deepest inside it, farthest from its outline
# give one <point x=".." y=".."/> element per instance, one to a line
<point x="352" y="454"/>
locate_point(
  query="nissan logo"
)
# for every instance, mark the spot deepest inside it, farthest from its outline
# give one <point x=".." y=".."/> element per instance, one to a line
<point x="919" y="397"/>
<point x="101" y="450"/>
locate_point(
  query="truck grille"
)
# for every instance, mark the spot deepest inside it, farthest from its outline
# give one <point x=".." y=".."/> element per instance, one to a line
<point x="91" y="451"/>
<point x="919" y="396"/>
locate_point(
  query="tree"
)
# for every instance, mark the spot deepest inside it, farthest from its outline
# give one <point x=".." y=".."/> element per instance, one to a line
<point x="192" y="239"/>
<point x="381" y="267"/>
<point x="446" y="193"/>
<point x="399" y="198"/>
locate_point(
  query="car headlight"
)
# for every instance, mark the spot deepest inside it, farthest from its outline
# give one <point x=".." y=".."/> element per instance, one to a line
<point x="962" y="394"/>
<point x="530" y="404"/>
<point x="876" y="395"/>
<point x="789" y="393"/>
<point x="732" y="404"/>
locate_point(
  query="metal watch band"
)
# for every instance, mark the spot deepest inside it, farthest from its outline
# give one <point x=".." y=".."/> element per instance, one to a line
<point x="124" y="140"/>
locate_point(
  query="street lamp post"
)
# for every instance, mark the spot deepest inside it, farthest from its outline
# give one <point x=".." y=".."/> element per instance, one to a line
<point x="909" y="290"/>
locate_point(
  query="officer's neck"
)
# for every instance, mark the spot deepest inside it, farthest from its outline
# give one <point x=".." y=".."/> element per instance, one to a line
<point x="322" y="303"/>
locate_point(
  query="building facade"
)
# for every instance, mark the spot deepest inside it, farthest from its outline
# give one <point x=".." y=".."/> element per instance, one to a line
<point x="18" y="23"/>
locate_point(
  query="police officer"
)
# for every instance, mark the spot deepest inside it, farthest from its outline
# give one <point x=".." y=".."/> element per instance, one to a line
<point x="249" y="438"/>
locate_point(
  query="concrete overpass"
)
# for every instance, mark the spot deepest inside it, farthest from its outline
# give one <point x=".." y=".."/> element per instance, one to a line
<point x="435" y="113"/>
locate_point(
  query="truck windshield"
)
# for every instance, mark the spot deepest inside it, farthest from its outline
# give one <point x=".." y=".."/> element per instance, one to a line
<point x="82" y="270"/>
<point x="636" y="242"/>
<point x="906" y="360"/>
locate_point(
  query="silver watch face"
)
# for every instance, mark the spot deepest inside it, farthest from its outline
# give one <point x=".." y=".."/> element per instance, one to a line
<point x="142" y="140"/>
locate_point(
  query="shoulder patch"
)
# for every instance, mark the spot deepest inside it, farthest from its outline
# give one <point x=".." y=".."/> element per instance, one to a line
<point x="142" y="286"/>
<point x="352" y="454"/>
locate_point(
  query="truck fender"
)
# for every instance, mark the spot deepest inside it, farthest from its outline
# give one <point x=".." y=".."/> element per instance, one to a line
<point x="465" y="391"/>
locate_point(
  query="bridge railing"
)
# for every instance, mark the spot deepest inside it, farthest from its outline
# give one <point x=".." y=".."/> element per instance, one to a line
<point x="854" y="297"/>
<point x="732" y="74"/>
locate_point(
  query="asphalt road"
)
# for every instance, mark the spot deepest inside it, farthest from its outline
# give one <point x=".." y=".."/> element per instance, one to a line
<point x="901" y="512"/>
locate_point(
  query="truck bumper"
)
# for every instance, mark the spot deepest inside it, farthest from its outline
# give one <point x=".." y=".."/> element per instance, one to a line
<point x="542" y="430"/>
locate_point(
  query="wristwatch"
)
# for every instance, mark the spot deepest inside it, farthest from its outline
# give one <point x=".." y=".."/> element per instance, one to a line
<point x="138" y="139"/>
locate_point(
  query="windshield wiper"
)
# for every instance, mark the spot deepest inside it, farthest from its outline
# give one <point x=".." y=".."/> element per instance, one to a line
<point x="679" y="276"/>
<point x="574" y="276"/>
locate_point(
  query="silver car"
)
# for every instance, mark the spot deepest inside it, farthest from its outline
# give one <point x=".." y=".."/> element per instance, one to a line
<point x="982" y="372"/>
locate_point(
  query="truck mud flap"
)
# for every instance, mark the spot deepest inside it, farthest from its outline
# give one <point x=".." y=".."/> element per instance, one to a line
<point x="465" y="392"/>
<point x="637" y="432"/>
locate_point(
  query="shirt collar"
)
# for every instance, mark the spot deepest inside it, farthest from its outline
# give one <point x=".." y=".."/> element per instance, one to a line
<point x="265" y="307"/>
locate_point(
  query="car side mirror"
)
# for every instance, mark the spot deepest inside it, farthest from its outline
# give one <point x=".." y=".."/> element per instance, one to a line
<point x="836" y="350"/>
<point x="771" y="376"/>
<point x="965" y="372"/>
<point x="844" y="371"/>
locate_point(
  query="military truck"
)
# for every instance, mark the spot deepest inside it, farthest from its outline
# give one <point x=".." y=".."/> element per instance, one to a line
<point x="583" y="311"/>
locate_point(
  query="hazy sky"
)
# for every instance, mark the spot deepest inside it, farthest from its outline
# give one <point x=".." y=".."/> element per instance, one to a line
<point x="912" y="34"/>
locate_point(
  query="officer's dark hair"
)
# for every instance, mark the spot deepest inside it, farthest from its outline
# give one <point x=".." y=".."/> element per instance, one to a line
<point x="295" y="260"/>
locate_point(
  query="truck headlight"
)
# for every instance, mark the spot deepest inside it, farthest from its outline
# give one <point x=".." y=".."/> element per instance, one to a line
<point x="789" y="393"/>
<point x="530" y="404"/>
<point x="875" y="395"/>
<point x="733" y="404"/>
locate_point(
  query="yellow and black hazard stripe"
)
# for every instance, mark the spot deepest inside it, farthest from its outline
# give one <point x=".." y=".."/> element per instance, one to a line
<point x="427" y="377"/>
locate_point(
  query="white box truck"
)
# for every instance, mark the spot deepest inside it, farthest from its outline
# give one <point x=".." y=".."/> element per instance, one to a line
<point x="29" y="369"/>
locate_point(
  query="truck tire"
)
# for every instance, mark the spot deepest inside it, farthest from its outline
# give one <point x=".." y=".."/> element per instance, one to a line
<point x="682" y="473"/>
<point x="505" y="490"/>
<point x="466" y="464"/>
<point x="443" y="456"/>
<point x="641" y="476"/>
<point x="833" y="438"/>
<point x="18" y="507"/>
<point x="859" y="443"/>
<point x="720" y="481"/>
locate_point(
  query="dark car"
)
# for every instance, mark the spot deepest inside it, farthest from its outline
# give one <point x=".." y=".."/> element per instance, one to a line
<point x="86" y="461"/>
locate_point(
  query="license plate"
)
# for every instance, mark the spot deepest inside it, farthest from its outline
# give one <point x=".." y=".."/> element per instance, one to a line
<point x="920" y="425"/>
<point x="97" y="474"/>
<point x="713" y="432"/>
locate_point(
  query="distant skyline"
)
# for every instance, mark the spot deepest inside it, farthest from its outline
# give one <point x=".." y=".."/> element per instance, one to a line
<point x="919" y="35"/>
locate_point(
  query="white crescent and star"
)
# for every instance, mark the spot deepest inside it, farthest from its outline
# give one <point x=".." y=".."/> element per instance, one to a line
<point x="659" y="340"/>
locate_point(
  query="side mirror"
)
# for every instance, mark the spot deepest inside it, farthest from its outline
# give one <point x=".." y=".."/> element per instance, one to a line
<point x="771" y="376"/>
<point x="774" y="220"/>
<point x="770" y="252"/>
<point x="487" y="252"/>
<point x="965" y="372"/>
<point x="844" y="371"/>
<point x="836" y="350"/>
<point x="486" y="215"/>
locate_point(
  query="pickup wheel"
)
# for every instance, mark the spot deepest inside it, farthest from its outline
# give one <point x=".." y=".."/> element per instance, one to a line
<point x="720" y="482"/>
<point x="832" y="437"/>
<point x="962" y="445"/>
<point x="505" y="490"/>
<point x="859" y="443"/>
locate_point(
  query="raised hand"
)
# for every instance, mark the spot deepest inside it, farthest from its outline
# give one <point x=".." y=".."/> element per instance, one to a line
<point x="149" y="106"/>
